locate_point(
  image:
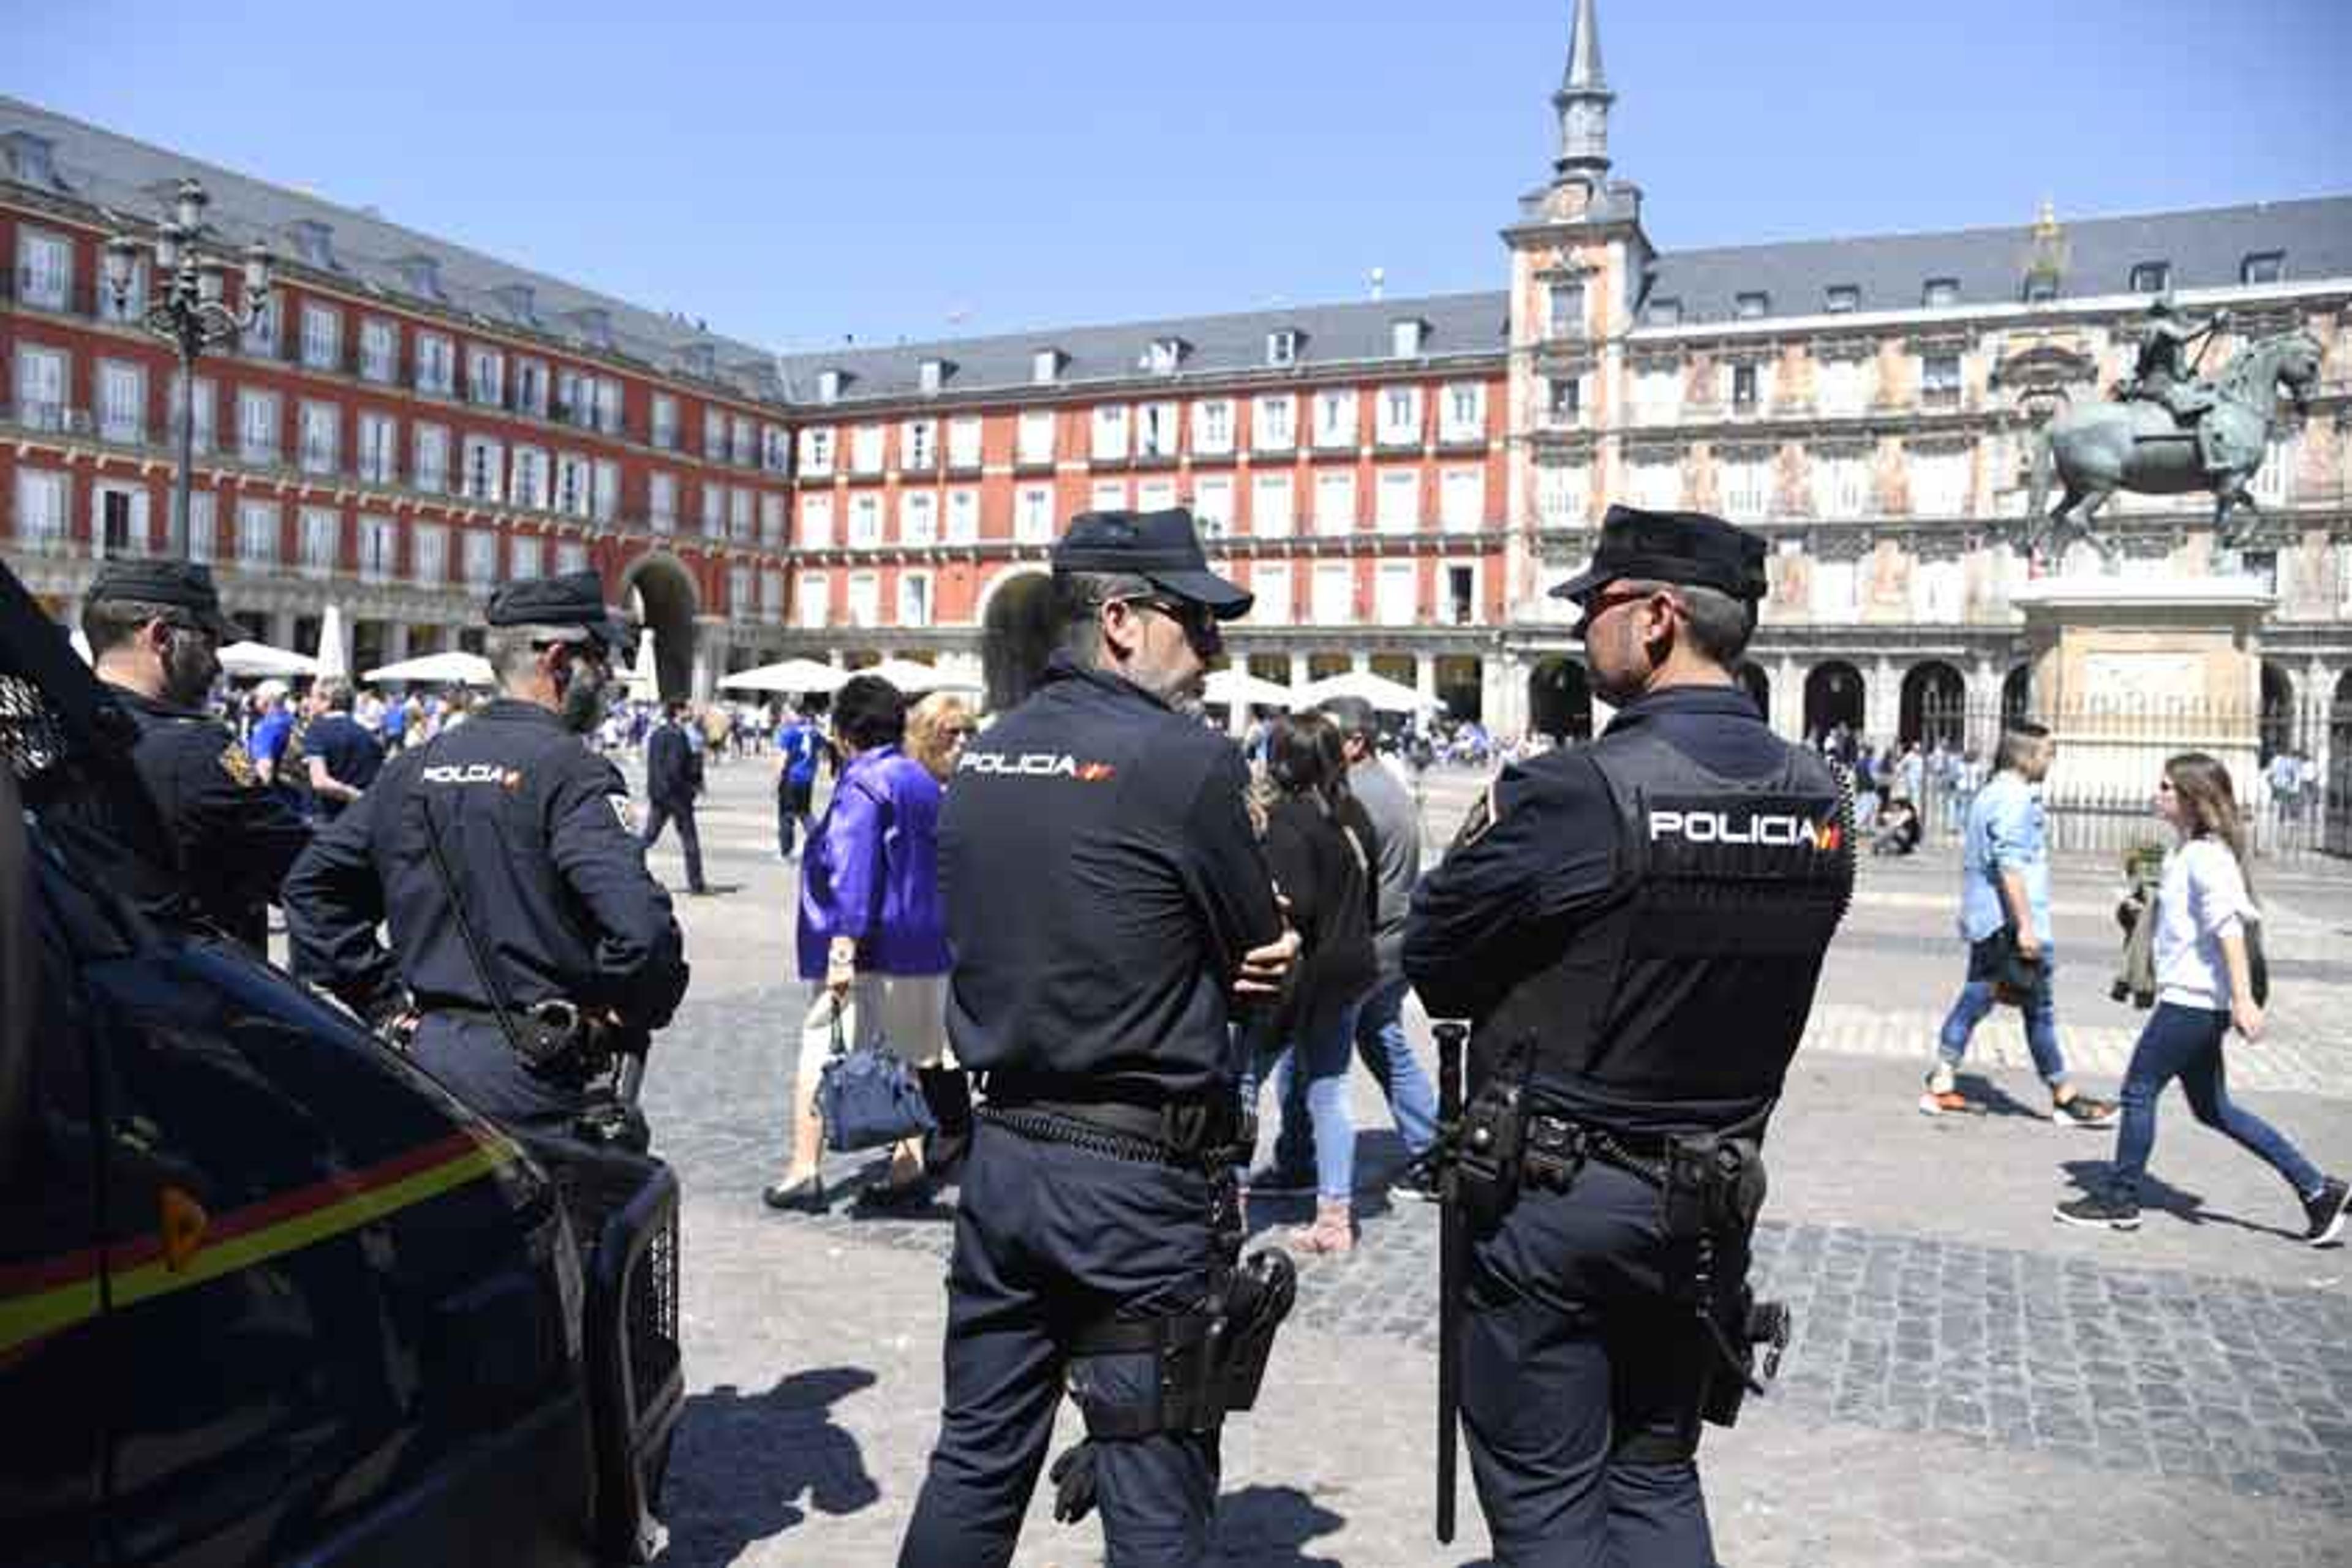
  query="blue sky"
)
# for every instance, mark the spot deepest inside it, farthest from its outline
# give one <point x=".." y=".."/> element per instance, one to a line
<point x="795" y="174"/>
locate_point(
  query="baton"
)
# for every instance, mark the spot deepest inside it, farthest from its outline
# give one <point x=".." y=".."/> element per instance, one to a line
<point x="1452" y="1034"/>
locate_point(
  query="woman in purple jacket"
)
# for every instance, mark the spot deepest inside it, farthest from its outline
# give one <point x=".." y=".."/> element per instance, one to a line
<point x="872" y="934"/>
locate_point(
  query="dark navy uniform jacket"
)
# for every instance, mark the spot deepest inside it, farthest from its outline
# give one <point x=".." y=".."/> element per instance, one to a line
<point x="1102" y="885"/>
<point x="536" y="833"/>
<point x="673" y="769"/>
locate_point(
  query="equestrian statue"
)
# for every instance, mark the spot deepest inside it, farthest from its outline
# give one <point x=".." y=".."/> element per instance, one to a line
<point x="2166" y="432"/>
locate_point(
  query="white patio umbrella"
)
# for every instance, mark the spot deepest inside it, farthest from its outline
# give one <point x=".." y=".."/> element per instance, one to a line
<point x="335" y="657"/>
<point x="456" y="668"/>
<point x="1387" y="696"/>
<point x="1236" y="684"/>
<point x="644" y="681"/>
<point x="255" y="661"/>
<point x="794" y="676"/>
<point x="909" y="677"/>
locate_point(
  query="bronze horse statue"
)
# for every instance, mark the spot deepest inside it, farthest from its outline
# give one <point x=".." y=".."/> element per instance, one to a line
<point x="2099" y="449"/>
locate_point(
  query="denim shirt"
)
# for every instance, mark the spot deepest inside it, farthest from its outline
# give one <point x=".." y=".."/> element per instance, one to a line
<point x="2008" y="830"/>
<point x="872" y="870"/>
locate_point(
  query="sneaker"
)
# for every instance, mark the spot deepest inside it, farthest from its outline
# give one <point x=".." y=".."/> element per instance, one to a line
<point x="1942" y="1094"/>
<point x="2326" y="1211"/>
<point x="2098" y="1209"/>
<point x="2083" y="1111"/>
<point x="1417" y="1181"/>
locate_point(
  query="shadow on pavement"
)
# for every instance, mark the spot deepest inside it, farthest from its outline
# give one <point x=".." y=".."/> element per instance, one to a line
<point x="2155" y="1193"/>
<point x="1987" y="1097"/>
<point x="743" y="1461"/>
<point x="1267" y="1527"/>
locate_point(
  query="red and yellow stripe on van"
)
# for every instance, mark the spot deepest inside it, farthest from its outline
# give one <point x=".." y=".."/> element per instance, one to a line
<point x="189" y="1247"/>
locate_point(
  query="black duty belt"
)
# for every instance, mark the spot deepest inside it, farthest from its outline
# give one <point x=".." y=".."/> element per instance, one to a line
<point x="1189" y="1135"/>
<point x="1556" y="1145"/>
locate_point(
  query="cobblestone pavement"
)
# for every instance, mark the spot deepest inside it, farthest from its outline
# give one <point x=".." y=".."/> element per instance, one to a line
<point x="1970" y="1384"/>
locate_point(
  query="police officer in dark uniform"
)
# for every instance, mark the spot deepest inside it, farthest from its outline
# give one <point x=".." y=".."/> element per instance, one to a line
<point x="525" y="929"/>
<point x="155" y="629"/>
<point x="1635" y="927"/>
<point x="1106" y="900"/>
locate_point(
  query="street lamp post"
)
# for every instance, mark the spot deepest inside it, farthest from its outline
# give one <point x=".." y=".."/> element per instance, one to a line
<point x="189" y="311"/>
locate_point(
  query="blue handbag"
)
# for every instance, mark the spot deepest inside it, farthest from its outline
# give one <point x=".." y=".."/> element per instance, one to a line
<point x="868" y="1098"/>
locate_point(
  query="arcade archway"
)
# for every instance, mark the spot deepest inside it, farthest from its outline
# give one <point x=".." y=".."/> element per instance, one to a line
<point x="661" y="595"/>
<point x="1017" y="635"/>
<point x="1560" y="699"/>
<point x="2278" y="725"/>
<point x="1934" y="697"/>
<point x="2016" y="695"/>
<point x="1833" y="697"/>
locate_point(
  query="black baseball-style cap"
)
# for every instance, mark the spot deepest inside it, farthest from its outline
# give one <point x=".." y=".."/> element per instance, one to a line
<point x="1162" y="547"/>
<point x="570" y="599"/>
<point x="183" y="584"/>
<point x="1688" y="548"/>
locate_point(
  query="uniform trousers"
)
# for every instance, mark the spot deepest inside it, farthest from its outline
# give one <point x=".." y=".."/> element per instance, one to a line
<point x="1050" y="1237"/>
<point x="660" y="814"/>
<point x="470" y="1055"/>
<point x="1572" y="1348"/>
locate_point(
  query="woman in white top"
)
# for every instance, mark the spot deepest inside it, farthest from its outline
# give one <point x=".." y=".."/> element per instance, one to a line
<point x="2204" y="986"/>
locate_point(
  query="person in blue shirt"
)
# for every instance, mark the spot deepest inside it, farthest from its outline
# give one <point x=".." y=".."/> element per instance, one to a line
<point x="799" y="745"/>
<point x="2005" y="920"/>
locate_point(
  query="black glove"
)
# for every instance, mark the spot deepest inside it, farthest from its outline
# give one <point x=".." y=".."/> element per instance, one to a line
<point x="1073" y="1476"/>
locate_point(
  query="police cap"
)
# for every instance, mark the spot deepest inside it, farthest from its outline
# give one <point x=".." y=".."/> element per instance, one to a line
<point x="1686" y="548"/>
<point x="184" y="585"/>
<point x="572" y="599"/>
<point x="1162" y="547"/>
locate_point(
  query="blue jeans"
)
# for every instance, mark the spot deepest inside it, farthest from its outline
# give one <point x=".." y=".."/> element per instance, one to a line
<point x="1387" y="1055"/>
<point x="1975" y="999"/>
<point x="1326" y="1059"/>
<point x="2186" y="1043"/>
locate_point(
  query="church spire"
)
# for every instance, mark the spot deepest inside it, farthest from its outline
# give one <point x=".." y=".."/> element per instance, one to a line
<point x="1583" y="104"/>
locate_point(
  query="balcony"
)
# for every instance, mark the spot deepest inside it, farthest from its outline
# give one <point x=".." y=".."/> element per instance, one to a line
<point x="1940" y="399"/>
<point x="319" y="458"/>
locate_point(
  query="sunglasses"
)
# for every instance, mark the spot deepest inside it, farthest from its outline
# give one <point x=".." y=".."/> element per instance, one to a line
<point x="1197" y="619"/>
<point x="1602" y="604"/>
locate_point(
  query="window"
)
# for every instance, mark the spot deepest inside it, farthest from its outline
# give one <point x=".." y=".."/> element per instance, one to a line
<point x="1564" y="311"/>
<point x="714" y="436"/>
<point x="122" y="402"/>
<point x="828" y="386"/>
<point x="1044" y="365"/>
<point x="816" y="523"/>
<point x="484" y="469"/>
<point x="531" y="477"/>
<point x="1465" y="416"/>
<point x="963" y="443"/>
<point x="1404" y="338"/>
<point x="1163" y="356"/>
<point x="1212" y="425"/>
<point x="714" y="510"/>
<point x="661" y="502"/>
<point x="1273" y="423"/>
<point x="1282" y="347"/>
<point x="378" y="548"/>
<point x="379" y="350"/>
<point x="40" y="507"/>
<point x="963" y="516"/>
<point x="1843" y="298"/>
<point x="1939" y="292"/>
<point x="1335" y="593"/>
<point x="203" y="409"/>
<point x="379" y="453"/>
<point x="665" y="425"/>
<point x="1110" y="433"/>
<point x="1657" y="394"/>
<point x="1662" y="313"/>
<point x="864" y="599"/>
<point x="932" y="375"/>
<point x="1270" y="582"/>
<point x="485" y="377"/>
<point x="437" y="365"/>
<point x="1032" y="514"/>
<point x="1396" y="593"/>
<point x="1212" y="505"/>
<point x="1562" y="494"/>
<point x="2262" y="266"/>
<point x="919" y="517"/>
<point x="481" y="563"/>
<point x="256" y="425"/>
<point x="1156" y="426"/>
<point x="322" y="432"/>
<point x="772" y="596"/>
<point x="432" y="458"/>
<point x="531" y="389"/>
<point x="257" y="522"/>
<point x="44" y="269"/>
<point x="864" y="520"/>
<point x="815" y="592"/>
<point x="570" y="555"/>
<point x="1842" y="483"/>
<point x="1940" y="380"/>
<point x="1462" y="500"/>
<point x="772" y="519"/>
<point x="1939" y="482"/>
<point x="1396" y="500"/>
<point x="2041" y="286"/>
<point x="1461" y="594"/>
<point x="1833" y="583"/>
<point x="526" y="552"/>
<point x="918" y="446"/>
<point x="1270" y="506"/>
<point x="1399" y="415"/>
<point x="204" y="526"/>
<point x="2274" y="482"/>
<point x="323" y="539"/>
<point x="1564" y="401"/>
<point x="914" y="598"/>
<point x="428" y="554"/>
<point x="1743" y="481"/>
<point x="1750" y="307"/>
<point x="259" y="341"/>
<point x="1656" y="481"/>
<point x="1036" y="443"/>
<point x="606" y="505"/>
<point x="131" y="305"/>
<point x="1108" y="495"/>
<point x="743" y="435"/>
<point x="1844" y="386"/>
<point x="2151" y="277"/>
<point x="1155" y="494"/>
<point x="816" y="450"/>
<point x="1335" y="503"/>
<point x="322" y="336"/>
<point x="1335" y="417"/>
<point x="866" y="449"/>
<point x="738" y="592"/>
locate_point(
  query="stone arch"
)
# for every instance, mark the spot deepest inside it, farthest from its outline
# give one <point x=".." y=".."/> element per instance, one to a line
<point x="1016" y="634"/>
<point x="2016" y="695"/>
<point x="2278" y="728"/>
<point x="664" y="597"/>
<point x="1560" y="699"/>
<point x="1934" y="706"/>
<point x="1834" y="692"/>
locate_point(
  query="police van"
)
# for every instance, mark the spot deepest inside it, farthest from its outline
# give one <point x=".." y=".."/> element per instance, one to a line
<point x="269" y="1294"/>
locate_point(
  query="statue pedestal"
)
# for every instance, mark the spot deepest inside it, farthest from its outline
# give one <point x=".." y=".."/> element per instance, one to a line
<point x="2126" y="673"/>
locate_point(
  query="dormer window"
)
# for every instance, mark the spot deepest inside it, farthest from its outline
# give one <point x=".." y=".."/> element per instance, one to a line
<point x="1940" y="292"/>
<point x="314" y="242"/>
<point x="1843" y="298"/>
<point x="1282" y="347"/>
<point x="515" y="299"/>
<point x="828" y="386"/>
<point x="1749" y="307"/>
<point x="2262" y="266"/>
<point x="2151" y="277"/>
<point x="1662" y="312"/>
<point x="30" y="159"/>
<point x="421" y="275"/>
<point x="595" y="327"/>
<point x="1045" y="366"/>
<point x="1405" y="337"/>
<point x="933" y="373"/>
<point x="2041" y="286"/>
<point x="699" y="359"/>
<point x="1164" y="355"/>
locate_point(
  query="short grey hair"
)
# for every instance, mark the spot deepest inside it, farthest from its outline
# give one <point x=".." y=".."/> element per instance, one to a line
<point x="512" y="651"/>
<point x="1078" y="599"/>
<point x="1719" y="624"/>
